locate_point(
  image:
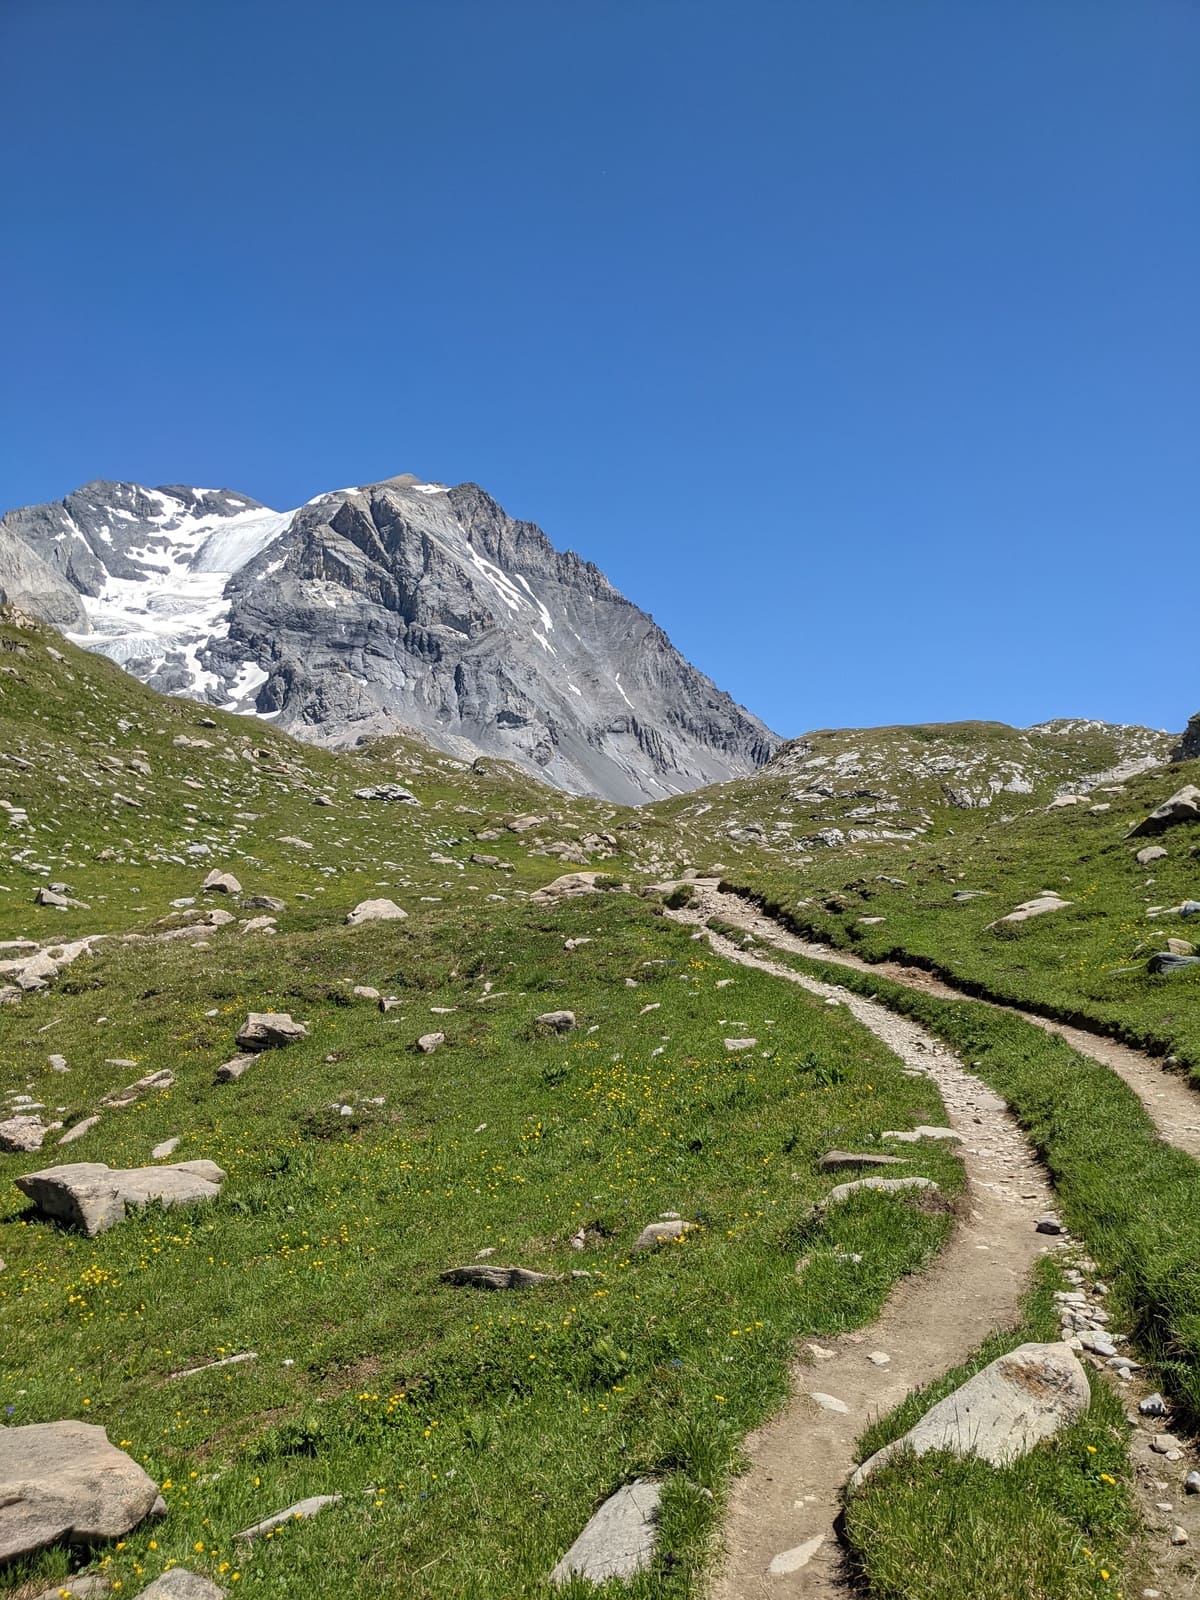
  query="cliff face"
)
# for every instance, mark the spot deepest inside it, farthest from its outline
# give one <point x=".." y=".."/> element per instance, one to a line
<point x="398" y="604"/>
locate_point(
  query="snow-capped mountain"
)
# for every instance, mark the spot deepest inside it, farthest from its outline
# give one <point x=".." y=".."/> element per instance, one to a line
<point x="375" y="608"/>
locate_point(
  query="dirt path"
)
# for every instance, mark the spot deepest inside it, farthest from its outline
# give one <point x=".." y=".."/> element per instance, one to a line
<point x="780" y="1532"/>
<point x="1172" y="1105"/>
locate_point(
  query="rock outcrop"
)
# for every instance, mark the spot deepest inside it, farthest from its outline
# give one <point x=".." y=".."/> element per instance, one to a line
<point x="66" y="1481"/>
<point x="95" y="1197"/>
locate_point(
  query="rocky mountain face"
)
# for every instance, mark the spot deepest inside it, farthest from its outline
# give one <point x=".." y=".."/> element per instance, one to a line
<point x="373" y="609"/>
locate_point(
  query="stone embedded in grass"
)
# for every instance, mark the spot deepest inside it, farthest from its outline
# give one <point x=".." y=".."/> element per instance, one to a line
<point x="87" y="1586"/>
<point x="1048" y="1224"/>
<point x="393" y="793"/>
<point x="263" y="902"/>
<point x="163" y="1079"/>
<point x="57" y="1063"/>
<point x="1030" y="1394"/>
<point x="1041" y="905"/>
<point x="1183" y="806"/>
<point x="619" y="1541"/>
<point x="22" y="1135"/>
<point x="829" y="1402"/>
<point x="161" y="1151"/>
<point x="1151" y="853"/>
<point x="570" y="885"/>
<point x="231" y="1071"/>
<point x="923" y="1130"/>
<point x="733" y="1045"/>
<point x="428" y="1042"/>
<point x="558" y="1021"/>
<point x="844" y="1191"/>
<point x="94" y="1197"/>
<point x="315" y="1504"/>
<point x="65" y="1481"/>
<point x="363" y="991"/>
<point x="488" y="1277"/>
<point x="1166" y="962"/>
<point x="833" y="1159"/>
<point x="77" y="1132"/>
<point x="211" y="1366"/>
<point x="375" y="911"/>
<point x="179" y="1584"/>
<point x="270" y="1030"/>
<point x="221" y="883"/>
<point x="58" y="901"/>
<point x="661" y="1232"/>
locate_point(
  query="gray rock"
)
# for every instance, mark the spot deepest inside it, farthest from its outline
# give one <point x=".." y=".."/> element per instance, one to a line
<point x="923" y="1130"/>
<point x="734" y="1045"/>
<point x="392" y="792"/>
<point x="152" y="1083"/>
<point x="428" y="1042"/>
<point x="557" y="1021"/>
<point x="270" y="1030"/>
<point x="58" y="900"/>
<point x="57" y="1063"/>
<point x="1182" y="806"/>
<point x="1166" y="962"/>
<point x="230" y="1071"/>
<point x="313" y="1506"/>
<point x="22" y="1134"/>
<point x="1041" y="905"/>
<point x="1150" y="853"/>
<point x="221" y="883"/>
<point x="363" y="991"/>
<point x="94" y="1197"/>
<point x="658" y="1232"/>
<point x="569" y="887"/>
<point x="1048" y="1224"/>
<point x="87" y="1586"/>
<point x="833" y="1159"/>
<point x="180" y="1584"/>
<point x="619" y="1541"/>
<point x="1153" y="1406"/>
<point x="84" y="1125"/>
<point x="489" y="1277"/>
<point x="1191" y="1483"/>
<point x="66" y="1481"/>
<point x="375" y="911"/>
<point x="167" y="1148"/>
<point x="843" y="1191"/>
<point x="263" y="902"/>
<point x="1002" y="1412"/>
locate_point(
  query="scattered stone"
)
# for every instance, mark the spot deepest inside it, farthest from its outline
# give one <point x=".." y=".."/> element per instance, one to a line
<point x="21" y="1135"/>
<point x="161" y="1151"/>
<point x="792" y="1560"/>
<point x="221" y="883"/>
<point x="820" y="1353"/>
<point x="303" y="1508"/>
<point x="833" y="1159"/>
<point x="1049" y="1224"/>
<point x="264" y="925"/>
<point x="879" y="1358"/>
<point x="375" y="911"/>
<point x="567" y="887"/>
<point x="163" y="1079"/>
<point x="619" y="1540"/>
<point x="231" y="1071"/>
<point x="655" y="1232"/>
<point x="1153" y="1406"/>
<point x="1183" y="806"/>
<point x="177" y="1583"/>
<point x="264" y="902"/>
<point x="829" y="1402"/>
<point x="57" y="1063"/>
<point x="58" y="900"/>
<point x="428" y="1042"/>
<point x="85" y="1125"/>
<point x="1151" y="853"/>
<point x="1191" y="1483"/>
<point x="94" y="1197"/>
<point x="394" y="793"/>
<point x="1179" y="1534"/>
<point x="1098" y="1343"/>
<point x="66" y="1481"/>
<point x="574" y="944"/>
<point x="211" y="1366"/>
<point x="1002" y="1412"/>
<point x="1164" y="1443"/>
<point x="489" y="1277"/>
<point x="843" y="1191"/>
<point x="1039" y="906"/>
<point x="559" y="1021"/>
<point x="363" y="991"/>
<point x="922" y="1131"/>
<point x="87" y="1586"/>
<point x="270" y="1030"/>
<point x="1165" y="962"/>
<point x="733" y="1045"/>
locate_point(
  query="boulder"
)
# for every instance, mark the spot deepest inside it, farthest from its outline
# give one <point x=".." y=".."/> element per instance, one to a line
<point x="1151" y="853"/>
<point x="619" y="1540"/>
<point x="270" y="1030"/>
<point x="1002" y="1412"/>
<point x="180" y="1584"/>
<point x="567" y="887"/>
<point x="843" y="1191"/>
<point x="94" y="1197"/>
<point x="1183" y="806"/>
<point x="375" y="911"/>
<point x="66" y="1481"/>
<point x="557" y="1021"/>
<point x="1165" y="962"/>
<point x="21" y="1135"/>
<point x="428" y="1042"/>
<point x="221" y="883"/>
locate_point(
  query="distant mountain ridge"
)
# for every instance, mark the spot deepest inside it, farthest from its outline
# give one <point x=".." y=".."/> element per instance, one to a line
<point x="371" y="609"/>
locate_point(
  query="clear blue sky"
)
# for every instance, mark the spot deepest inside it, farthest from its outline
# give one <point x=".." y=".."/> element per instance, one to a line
<point x="856" y="340"/>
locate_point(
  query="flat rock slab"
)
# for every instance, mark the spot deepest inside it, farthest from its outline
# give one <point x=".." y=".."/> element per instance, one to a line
<point x="375" y="911"/>
<point x="66" y="1481"/>
<point x="94" y="1197"/>
<point x="1041" y="905"/>
<point x="80" y="1128"/>
<point x="620" y="1539"/>
<point x="488" y="1277"/>
<point x="270" y="1030"/>
<point x="313" y="1506"/>
<point x="740" y="1044"/>
<point x="792" y="1560"/>
<point x="833" y="1159"/>
<point x="844" y="1191"/>
<point x="923" y="1130"/>
<point x="180" y="1584"/>
<point x="1002" y="1412"/>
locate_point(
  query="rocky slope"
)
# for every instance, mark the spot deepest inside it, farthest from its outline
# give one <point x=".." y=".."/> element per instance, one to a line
<point x="375" y="608"/>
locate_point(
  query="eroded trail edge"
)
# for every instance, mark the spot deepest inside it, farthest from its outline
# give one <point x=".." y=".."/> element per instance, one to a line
<point x="780" y="1536"/>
